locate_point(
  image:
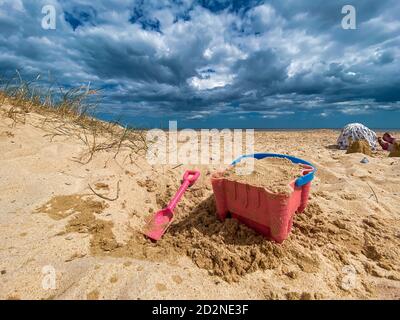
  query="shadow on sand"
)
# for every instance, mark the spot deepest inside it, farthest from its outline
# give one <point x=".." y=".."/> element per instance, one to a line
<point x="203" y="219"/>
<point x="332" y="147"/>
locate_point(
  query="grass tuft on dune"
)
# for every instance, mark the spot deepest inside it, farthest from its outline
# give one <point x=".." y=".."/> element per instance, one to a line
<point x="68" y="112"/>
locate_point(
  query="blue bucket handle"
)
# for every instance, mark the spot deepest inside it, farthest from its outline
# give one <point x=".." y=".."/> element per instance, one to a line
<point x="301" y="181"/>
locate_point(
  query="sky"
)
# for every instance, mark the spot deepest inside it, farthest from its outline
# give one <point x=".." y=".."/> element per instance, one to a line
<point x="215" y="64"/>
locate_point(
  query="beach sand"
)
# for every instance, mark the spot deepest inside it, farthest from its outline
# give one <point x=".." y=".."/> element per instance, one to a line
<point x="346" y="245"/>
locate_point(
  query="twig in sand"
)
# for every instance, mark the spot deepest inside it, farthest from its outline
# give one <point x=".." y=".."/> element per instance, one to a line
<point x="179" y="165"/>
<point x="104" y="197"/>
<point x="373" y="191"/>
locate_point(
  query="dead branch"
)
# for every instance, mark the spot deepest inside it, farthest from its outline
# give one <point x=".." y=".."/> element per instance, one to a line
<point x="104" y="197"/>
<point x="373" y="191"/>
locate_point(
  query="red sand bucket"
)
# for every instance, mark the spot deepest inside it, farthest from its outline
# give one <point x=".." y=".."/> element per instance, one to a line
<point x="268" y="213"/>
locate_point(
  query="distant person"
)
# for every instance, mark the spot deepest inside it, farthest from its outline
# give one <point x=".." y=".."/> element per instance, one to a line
<point x="356" y="131"/>
<point x="387" y="142"/>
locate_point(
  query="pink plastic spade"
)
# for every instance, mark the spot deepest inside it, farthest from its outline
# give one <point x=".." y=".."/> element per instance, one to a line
<point x="162" y="219"/>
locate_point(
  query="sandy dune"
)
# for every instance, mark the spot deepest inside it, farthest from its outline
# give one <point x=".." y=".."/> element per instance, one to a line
<point x="345" y="246"/>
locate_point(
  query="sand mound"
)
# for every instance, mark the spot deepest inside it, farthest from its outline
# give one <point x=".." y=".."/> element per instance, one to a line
<point x="360" y="146"/>
<point x="274" y="174"/>
<point x="226" y="249"/>
<point x="231" y="250"/>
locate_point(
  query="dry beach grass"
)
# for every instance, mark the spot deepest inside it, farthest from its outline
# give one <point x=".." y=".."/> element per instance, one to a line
<point x="78" y="204"/>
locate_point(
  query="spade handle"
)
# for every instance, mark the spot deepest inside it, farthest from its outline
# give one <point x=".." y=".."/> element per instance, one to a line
<point x="189" y="178"/>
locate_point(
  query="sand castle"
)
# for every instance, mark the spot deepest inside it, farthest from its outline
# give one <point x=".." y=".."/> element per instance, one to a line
<point x="360" y="146"/>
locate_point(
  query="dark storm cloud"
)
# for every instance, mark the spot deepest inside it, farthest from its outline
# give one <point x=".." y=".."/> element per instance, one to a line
<point x="212" y="57"/>
<point x="261" y="69"/>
